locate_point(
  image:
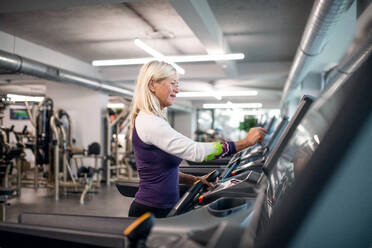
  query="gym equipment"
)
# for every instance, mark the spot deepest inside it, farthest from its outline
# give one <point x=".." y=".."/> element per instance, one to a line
<point x="186" y="203"/>
<point x="139" y="230"/>
<point x="54" y="152"/>
<point x="322" y="168"/>
<point x="43" y="131"/>
<point x="43" y="138"/>
<point x="23" y="140"/>
<point x="9" y="156"/>
<point x="4" y="194"/>
<point x="300" y="211"/>
<point x="246" y="183"/>
<point x="85" y="179"/>
<point x="270" y="124"/>
<point x="118" y="167"/>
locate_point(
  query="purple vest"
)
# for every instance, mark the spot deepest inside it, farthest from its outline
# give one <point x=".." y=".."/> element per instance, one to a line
<point x="158" y="172"/>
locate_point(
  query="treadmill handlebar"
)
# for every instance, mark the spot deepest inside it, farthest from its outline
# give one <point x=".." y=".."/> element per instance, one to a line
<point x="138" y="231"/>
<point x="187" y="200"/>
<point x="211" y="177"/>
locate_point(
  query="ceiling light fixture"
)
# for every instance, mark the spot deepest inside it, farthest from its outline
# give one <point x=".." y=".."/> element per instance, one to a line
<point x="22" y="98"/>
<point x="113" y="62"/>
<point x="115" y="105"/>
<point x="169" y="59"/>
<point x="157" y="55"/>
<point x="214" y="93"/>
<point x="208" y="57"/>
<point x="231" y="105"/>
<point x="217" y="95"/>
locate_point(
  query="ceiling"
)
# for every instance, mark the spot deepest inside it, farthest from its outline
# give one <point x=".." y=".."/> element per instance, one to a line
<point x="267" y="32"/>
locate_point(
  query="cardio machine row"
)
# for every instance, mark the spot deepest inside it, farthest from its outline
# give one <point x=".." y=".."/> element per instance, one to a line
<point x="189" y="228"/>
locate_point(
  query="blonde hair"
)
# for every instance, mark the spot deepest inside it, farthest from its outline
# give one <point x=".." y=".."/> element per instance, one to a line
<point x="143" y="99"/>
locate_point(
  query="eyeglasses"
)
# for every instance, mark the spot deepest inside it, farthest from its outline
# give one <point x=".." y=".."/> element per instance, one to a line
<point x="175" y="84"/>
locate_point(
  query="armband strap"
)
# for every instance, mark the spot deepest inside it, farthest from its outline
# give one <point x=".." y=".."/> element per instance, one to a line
<point x="221" y="149"/>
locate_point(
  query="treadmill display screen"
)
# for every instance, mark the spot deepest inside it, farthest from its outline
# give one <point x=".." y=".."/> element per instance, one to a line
<point x="267" y="139"/>
<point x="277" y="136"/>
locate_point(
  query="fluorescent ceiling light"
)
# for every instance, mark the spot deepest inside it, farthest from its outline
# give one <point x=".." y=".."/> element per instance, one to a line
<point x="175" y="59"/>
<point x="115" y="105"/>
<point x="231" y="105"/>
<point x="22" y="98"/>
<point x="147" y="48"/>
<point x="157" y="55"/>
<point x="111" y="62"/>
<point x="208" y="57"/>
<point x="217" y="93"/>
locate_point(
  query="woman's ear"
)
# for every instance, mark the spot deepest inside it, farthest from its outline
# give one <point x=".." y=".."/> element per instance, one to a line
<point x="151" y="86"/>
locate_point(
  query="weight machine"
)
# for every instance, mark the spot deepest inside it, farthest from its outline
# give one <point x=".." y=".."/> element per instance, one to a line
<point x="119" y="163"/>
<point x="82" y="178"/>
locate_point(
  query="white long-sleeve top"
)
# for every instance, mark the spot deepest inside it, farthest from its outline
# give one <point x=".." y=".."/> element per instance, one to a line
<point x="153" y="130"/>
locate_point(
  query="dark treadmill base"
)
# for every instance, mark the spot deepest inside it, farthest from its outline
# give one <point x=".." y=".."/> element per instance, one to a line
<point x="18" y="235"/>
<point x="99" y="224"/>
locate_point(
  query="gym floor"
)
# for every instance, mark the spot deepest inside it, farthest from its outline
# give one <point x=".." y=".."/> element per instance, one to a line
<point x="107" y="202"/>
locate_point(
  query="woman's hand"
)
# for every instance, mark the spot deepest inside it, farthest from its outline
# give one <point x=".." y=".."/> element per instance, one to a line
<point x="255" y="135"/>
<point x="210" y="185"/>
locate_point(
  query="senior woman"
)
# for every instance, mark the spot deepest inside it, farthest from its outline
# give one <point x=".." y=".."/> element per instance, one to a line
<point x="159" y="149"/>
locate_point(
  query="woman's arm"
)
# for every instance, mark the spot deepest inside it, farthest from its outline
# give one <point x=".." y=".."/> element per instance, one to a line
<point x="190" y="179"/>
<point x="153" y="130"/>
<point x="187" y="179"/>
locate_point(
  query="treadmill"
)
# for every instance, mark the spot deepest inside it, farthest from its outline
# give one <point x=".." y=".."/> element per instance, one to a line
<point x="311" y="187"/>
<point x="246" y="162"/>
<point x="246" y="183"/>
<point x="331" y="169"/>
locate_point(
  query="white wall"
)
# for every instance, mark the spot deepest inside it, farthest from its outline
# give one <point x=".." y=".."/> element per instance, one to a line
<point x="85" y="108"/>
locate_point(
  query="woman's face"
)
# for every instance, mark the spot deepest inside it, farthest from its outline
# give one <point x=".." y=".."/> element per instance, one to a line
<point x="165" y="90"/>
